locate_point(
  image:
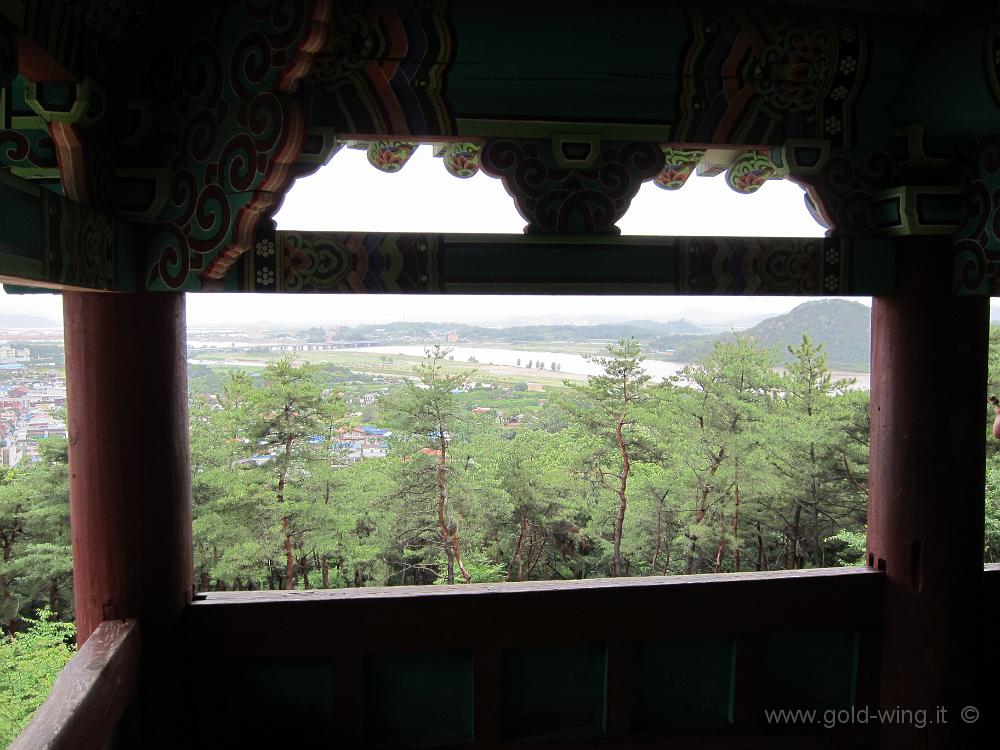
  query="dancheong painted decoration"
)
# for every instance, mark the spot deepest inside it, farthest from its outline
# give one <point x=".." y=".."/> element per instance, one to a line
<point x="189" y="123"/>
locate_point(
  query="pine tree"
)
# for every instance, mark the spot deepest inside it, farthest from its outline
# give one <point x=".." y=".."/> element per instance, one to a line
<point x="35" y="554"/>
<point x="425" y="413"/>
<point x="609" y="407"/>
<point x="725" y="426"/>
<point x="820" y="475"/>
<point x="293" y="429"/>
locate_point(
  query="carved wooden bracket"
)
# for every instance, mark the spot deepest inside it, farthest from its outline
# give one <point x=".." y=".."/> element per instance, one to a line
<point x="977" y="242"/>
<point x="569" y="186"/>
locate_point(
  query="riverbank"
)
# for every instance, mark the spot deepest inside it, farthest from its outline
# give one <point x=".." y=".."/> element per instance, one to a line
<point x="506" y="364"/>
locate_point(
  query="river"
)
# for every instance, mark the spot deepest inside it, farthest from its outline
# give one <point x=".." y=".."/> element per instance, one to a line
<point x="569" y="363"/>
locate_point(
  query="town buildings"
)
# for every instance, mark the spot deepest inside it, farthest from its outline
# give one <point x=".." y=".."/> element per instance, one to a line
<point x="358" y="443"/>
<point x="32" y="408"/>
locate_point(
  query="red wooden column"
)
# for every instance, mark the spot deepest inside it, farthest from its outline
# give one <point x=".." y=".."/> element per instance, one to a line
<point x="925" y="512"/>
<point x="130" y="482"/>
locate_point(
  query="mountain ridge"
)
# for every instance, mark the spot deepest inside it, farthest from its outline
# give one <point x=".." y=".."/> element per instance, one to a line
<point x="842" y="326"/>
<point x="21" y="320"/>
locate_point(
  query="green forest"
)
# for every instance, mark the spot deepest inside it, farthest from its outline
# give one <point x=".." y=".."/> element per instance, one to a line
<point x="738" y="469"/>
<point x="732" y="466"/>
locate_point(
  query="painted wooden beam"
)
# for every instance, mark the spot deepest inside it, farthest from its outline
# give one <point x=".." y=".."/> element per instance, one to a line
<point x="49" y="241"/>
<point x="536" y="264"/>
<point x="90" y="694"/>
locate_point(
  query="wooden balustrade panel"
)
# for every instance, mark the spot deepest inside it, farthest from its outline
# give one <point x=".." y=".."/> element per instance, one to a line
<point x="91" y="693"/>
<point x="621" y="663"/>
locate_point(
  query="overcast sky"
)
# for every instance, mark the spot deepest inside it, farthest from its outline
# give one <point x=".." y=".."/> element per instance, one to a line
<point x="351" y="195"/>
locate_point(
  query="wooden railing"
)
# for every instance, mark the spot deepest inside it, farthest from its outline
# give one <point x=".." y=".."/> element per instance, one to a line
<point x="342" y="641"/>
<point x="90" y="695"/>
<point x="300" y="665"/>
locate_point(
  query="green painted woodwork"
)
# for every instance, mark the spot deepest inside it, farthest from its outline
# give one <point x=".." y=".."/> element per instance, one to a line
<point x="684" y="683"/>
<point x="49" y="240"/>
<point x="255" y="701"/>
<point x="947" y="83"/>
<point x="810" y="669"/>
<point x="514" y="263"/>
<point x="418" y="699"/>
<point x="26" y="147"/>
<point x="550" y="692"/>
<point x="622" y="75"/>
<point x="872" y="266"/>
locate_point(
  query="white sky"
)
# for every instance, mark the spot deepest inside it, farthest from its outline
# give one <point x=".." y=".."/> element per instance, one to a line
<point x="351" y="195"/>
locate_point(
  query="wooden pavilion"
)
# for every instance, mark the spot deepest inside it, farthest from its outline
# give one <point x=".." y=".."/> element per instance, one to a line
<point x="144" y="148"/>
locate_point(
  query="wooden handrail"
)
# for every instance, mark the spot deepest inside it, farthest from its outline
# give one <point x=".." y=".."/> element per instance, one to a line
<point x="90" y="694"/>
<point x="373" y="620"/>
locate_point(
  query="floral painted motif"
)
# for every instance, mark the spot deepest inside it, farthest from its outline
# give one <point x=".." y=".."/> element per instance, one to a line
<point x="357" y="262"/>
<point x="461" y="159"/>
<point x="762" y="76"/>
<point x="741" y="265"/>
<point x="390" y="156"/>
<point x="752" y="170"/>
<point x="679" y="166"/>
<point x="792" y="73"/>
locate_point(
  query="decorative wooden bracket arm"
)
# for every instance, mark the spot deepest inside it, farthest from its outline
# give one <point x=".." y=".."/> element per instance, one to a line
<point x="976" y="262"/>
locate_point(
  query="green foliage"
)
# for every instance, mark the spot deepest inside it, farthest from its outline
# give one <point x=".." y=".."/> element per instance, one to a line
<point x="315" y="334"/>
<point x="29" y="664"/>
<point x="730" y="466"/>
<point x="262" y="475"/>
<point x="35" y="553"/>
<point x="608" y="407"/>
<point x="429" y="503"/>
<point x="481" y="569"/>
<point x="853" y="546"/>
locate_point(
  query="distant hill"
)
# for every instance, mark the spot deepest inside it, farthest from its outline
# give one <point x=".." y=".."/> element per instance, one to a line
<point x="843" y="327"/>
<point x="16" y="320"/>
<point x="644" y="330"/>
